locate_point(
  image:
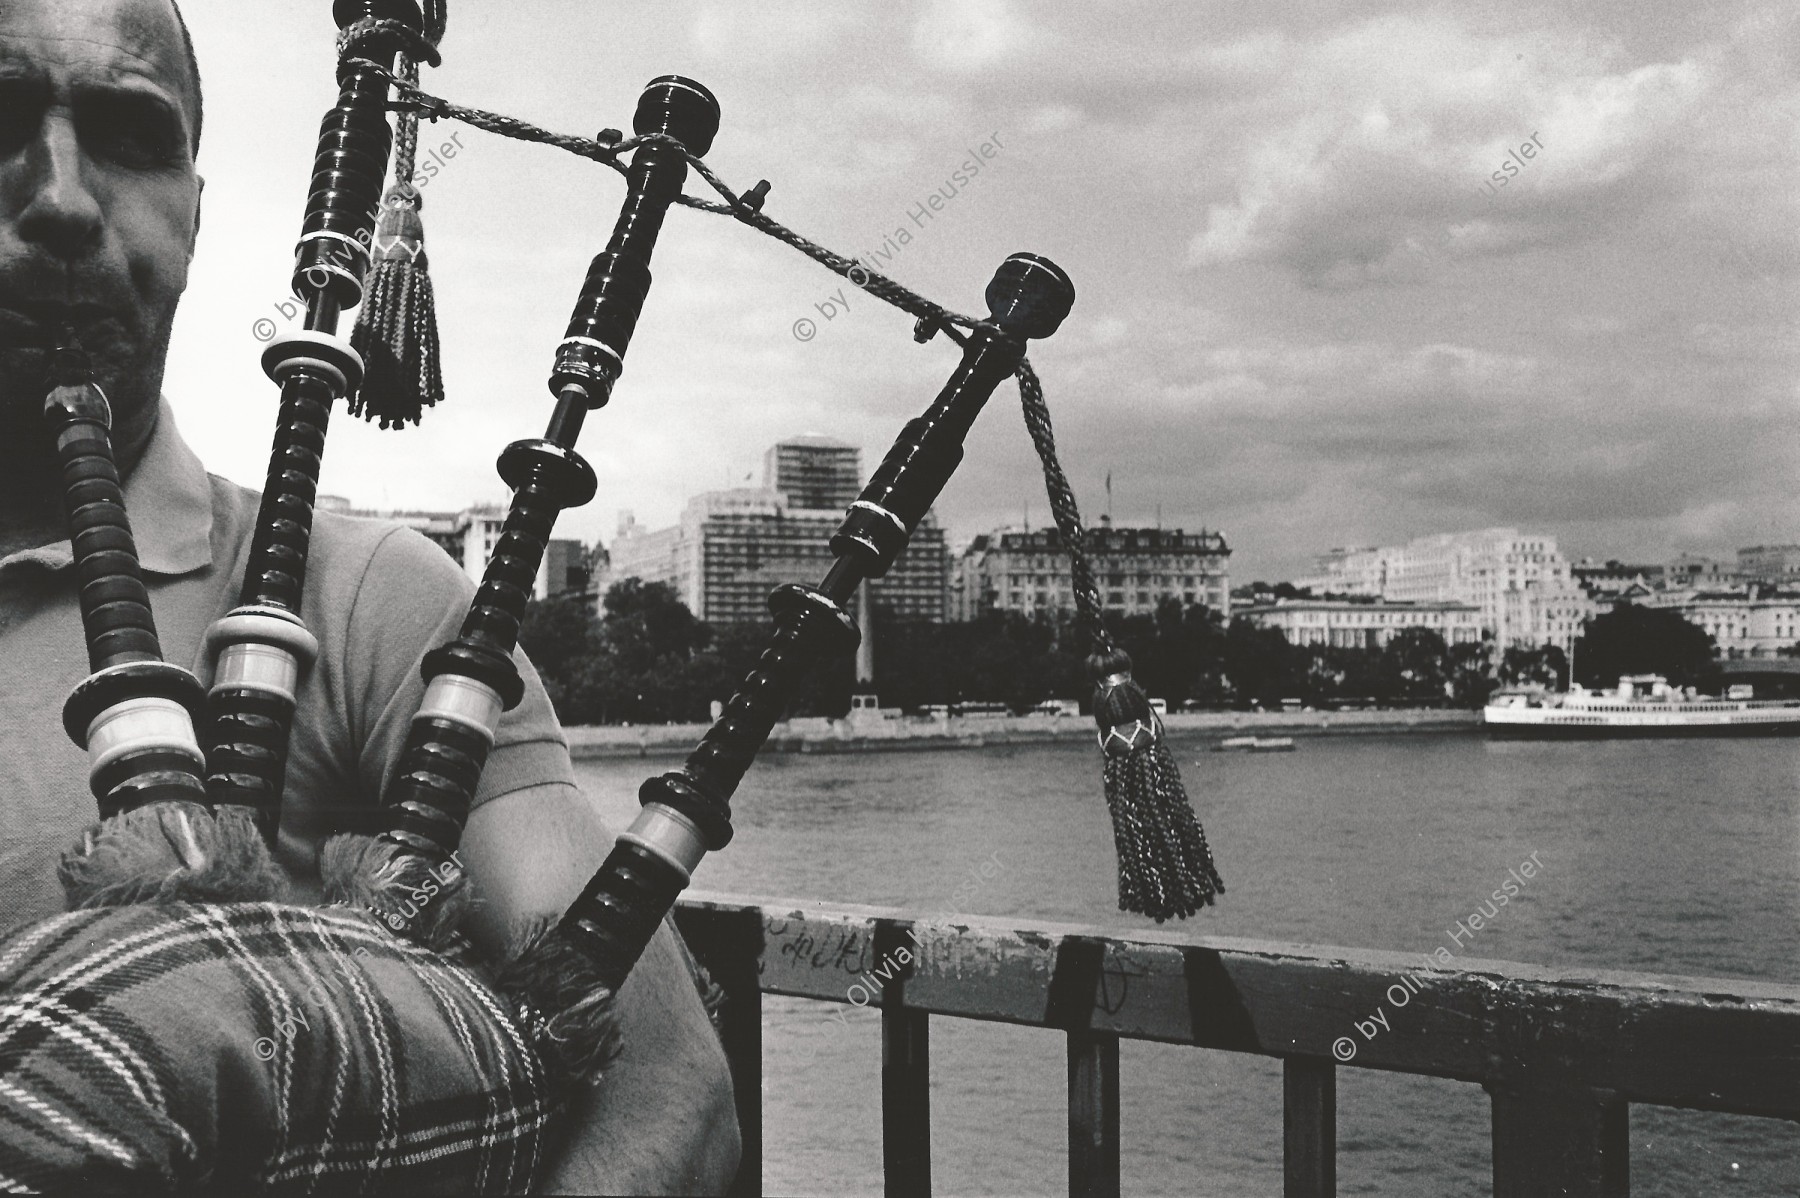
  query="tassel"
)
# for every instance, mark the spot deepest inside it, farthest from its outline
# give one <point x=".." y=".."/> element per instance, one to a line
<point x="1165" y="866"/>
<point x="171" y="853"/>
<point x="411" y="897"/>
<point x="410" y="894"/>
<point x="396" y="330"/>
<point x="550" y="974"/>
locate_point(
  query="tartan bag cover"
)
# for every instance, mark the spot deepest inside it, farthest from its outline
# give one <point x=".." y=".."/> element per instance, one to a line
<point x="257" y="1047"/>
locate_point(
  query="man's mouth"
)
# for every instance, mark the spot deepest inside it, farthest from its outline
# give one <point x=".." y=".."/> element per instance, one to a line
<point x="36" y="324"/>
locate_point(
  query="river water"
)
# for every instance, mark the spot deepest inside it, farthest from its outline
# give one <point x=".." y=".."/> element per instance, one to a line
<point x="1663" y="856"/>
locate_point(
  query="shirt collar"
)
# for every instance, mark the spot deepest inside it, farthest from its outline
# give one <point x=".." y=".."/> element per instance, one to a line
<point x="168" y="499"/>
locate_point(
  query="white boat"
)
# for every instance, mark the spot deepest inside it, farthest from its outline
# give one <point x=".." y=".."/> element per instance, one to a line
<point x="1255" y="744"/>
<point x="1642" y="705"/>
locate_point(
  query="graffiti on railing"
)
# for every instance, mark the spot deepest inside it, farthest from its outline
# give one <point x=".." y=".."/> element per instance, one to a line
<point x="852" y="951"/>
<point x="844" y="948"/>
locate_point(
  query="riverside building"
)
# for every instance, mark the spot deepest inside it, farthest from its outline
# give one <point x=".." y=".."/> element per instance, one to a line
<point x="1520" y="582"/>
<point x="1747" y="621"/>
<point x="1364" y="624"/>
<point x="1770" y="564"/>
<point x="1134" y="568"/>
<point x="732" y="547"/>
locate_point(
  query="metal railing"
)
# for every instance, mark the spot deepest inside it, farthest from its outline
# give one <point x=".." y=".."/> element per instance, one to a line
<point x="1561" y="1052"/>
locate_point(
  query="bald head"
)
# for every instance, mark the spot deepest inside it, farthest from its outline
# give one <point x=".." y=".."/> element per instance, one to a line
<point x="193" y="69"/>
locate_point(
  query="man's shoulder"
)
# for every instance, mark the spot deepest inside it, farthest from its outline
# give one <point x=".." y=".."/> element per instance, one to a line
<point x="347" y="552"/>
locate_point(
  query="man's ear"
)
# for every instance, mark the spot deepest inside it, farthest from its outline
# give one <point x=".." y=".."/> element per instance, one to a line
<point x="199" y="195"/>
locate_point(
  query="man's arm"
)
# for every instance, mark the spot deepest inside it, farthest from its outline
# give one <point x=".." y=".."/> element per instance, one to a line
<point x="663" y="1119"/>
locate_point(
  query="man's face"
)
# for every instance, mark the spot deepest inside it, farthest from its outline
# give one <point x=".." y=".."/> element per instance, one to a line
<point x="99" y="202"/>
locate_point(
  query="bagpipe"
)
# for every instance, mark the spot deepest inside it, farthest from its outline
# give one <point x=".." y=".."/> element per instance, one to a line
<point x="149" y="1028"/>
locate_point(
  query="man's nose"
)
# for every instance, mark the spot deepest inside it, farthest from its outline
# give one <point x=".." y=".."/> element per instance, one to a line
<point x="61" y="213"/>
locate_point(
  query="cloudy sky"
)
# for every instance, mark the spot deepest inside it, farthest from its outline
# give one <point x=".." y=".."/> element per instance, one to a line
<point x="1302" y="319"/>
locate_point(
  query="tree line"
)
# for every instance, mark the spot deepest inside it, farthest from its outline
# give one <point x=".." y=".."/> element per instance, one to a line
<point x="649" y="660"/>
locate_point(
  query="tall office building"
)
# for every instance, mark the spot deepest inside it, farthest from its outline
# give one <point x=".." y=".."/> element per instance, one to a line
<point x="732" y="547"/>
<point x="817" y="474"/>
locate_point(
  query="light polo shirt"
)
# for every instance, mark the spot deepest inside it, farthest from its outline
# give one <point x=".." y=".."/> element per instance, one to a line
<point x="378" y="597"/>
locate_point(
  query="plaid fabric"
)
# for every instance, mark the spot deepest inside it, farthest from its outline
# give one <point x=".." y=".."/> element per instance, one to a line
<point x="256" y="1047"/>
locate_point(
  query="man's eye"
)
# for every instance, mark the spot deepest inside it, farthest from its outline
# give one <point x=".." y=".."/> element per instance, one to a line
<point x="131" y="133"/>
<point x="16" y="129"/>
<point x="20" y="115"/>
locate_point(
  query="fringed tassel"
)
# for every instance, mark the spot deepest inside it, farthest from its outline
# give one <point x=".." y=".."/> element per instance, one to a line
<point x="411" y="895"/>
<point x="1165" y="866"/>
<point x="168" y="853"/>
<point x="581" y="1038"/>
<point x="396" y="329"/>
<point x="413" y="898"/>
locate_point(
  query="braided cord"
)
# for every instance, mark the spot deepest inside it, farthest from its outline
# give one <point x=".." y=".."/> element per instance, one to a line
<point x="406" y="135"/>
<point x="931" y="317"/>
<point x="607" y="154"/>
<point x="1062" y="507"/>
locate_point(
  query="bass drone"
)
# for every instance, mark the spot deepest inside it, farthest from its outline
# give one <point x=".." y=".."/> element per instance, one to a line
<point x="133" y="1027"/>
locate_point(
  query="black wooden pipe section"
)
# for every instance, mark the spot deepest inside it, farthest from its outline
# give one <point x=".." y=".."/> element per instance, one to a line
<point x="441" y="764"/>
<point x="619" y="910"/>
<point x="124" y="654"/>
<point x="247" y="727"/>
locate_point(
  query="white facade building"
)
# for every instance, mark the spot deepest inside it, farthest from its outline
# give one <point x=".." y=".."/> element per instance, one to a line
<point x="1741" y="624"/>
<point x="1135" y="570"/>
<point x="1346" y="624"/>
<point x="1520" y="582"/>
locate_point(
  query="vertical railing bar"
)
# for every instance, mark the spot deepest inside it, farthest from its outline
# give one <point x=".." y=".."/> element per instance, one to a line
<point x="728" y="944"/>
<point x="905" y="1101"/>
<point x="1309" y="1127"/>
<point x="905" y="1068"/>
<point x="1093" y="1114"/>
<point x="1567" y="1139"/>
<point x="741" y="1032"/>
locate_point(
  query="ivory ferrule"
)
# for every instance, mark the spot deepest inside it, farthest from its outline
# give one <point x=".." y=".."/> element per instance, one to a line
<point x="670" y="835"/>
<point x="264" y="626"/>
<point x="468" y="702"/>
<point x="252" y="665"/>
<point x="140" y="724"/>
<point x="326" y="353"/>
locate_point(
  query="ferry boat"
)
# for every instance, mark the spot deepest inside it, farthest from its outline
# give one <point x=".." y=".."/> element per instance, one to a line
<point x="1642" y="705"/>
<point x="1255" y="744"/>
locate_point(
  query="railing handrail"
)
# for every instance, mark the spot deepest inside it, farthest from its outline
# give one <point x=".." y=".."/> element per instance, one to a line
<point x="1562" y="1051"/>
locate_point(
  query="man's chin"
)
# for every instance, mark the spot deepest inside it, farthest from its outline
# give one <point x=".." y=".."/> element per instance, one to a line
<point x="24" y="377"/>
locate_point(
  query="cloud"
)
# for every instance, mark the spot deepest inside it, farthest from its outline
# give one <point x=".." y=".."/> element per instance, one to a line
<point x="1369" y="150"/>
